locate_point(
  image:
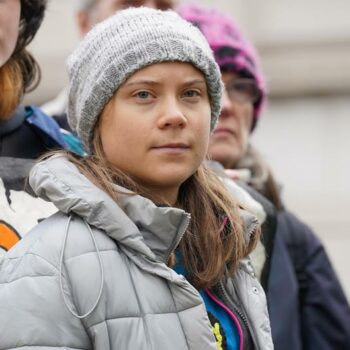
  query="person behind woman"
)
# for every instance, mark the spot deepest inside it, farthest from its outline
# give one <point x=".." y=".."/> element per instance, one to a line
<point x="308" y="308"/>
<point x="25" y="132"/>
<point x="145" y="92"/>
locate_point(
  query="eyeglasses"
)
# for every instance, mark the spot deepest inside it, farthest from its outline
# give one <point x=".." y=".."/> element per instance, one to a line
<point x="243" y="91"/>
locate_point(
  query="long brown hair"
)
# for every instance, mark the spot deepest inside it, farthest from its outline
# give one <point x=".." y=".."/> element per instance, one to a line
<point x="11" y="87"/>
<point x="21" y="72"/>
<point x="214" y="242"/>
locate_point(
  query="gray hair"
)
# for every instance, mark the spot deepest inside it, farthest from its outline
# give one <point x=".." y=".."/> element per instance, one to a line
<point x="84" y="5"/>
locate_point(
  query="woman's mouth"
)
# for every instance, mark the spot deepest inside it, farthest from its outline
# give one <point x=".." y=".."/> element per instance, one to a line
<point x="172" y="148"/>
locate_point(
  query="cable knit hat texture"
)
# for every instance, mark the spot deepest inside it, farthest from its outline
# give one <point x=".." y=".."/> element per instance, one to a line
<point x="123" y="44"/>
<point x="231" y="49"/>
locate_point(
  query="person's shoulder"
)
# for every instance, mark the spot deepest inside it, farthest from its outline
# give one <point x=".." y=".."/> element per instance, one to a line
<point x="299" y="237"/>
<point x="31" y="279"/>
<point x="267" y="205"/>
<point x="39" y="252"/>
<point x="36" y="254"/>
<point x="41" y="244"/>
<point x="294" y="225"/>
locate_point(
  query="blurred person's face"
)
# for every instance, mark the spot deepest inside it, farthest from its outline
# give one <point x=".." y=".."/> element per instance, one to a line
<point x="106" y="8"/>
<point x="156" y="127"/>
<point x="229" y="140"/>
<point x="10" y="12"/>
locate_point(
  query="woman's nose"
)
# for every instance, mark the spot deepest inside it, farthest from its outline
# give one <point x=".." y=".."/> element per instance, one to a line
<point x="172" y="115"/>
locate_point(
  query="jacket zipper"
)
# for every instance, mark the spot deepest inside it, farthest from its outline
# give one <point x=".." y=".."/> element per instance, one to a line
<point x="183" y="228"/>
<point x="231" y="305"/>
<point x="233" y="317"/>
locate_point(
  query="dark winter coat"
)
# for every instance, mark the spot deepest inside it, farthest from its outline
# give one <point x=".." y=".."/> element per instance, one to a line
<point x="307" y="306"/>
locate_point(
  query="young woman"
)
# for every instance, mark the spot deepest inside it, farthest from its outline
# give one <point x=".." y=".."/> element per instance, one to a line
<point x="307" y="306"/>
<point x="145" y="92"/>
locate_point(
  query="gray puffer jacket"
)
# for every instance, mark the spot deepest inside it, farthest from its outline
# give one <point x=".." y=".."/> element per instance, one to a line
<point x="94" y="276"/>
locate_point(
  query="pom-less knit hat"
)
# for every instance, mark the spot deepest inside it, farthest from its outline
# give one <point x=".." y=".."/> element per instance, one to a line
<point x="126" y="42"/>
<point x="233" y="52"/>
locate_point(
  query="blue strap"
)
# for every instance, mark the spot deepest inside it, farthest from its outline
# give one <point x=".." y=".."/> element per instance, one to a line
<point x="74" y="143"/>
<point x="52" y="134"/>
<point x="47" y="126"/>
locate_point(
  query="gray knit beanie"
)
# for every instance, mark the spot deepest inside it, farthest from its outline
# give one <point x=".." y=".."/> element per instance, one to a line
<point x="126" y="42"/>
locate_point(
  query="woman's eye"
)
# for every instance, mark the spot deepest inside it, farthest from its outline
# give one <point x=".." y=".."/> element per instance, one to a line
<point x="191" y="93"/>
<point x="143" y="95"/>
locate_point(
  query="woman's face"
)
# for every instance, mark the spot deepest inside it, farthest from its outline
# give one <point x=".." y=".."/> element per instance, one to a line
<point x="230" y="138"/>
<point x="10" y="12"/>
<point x="156" y="127"/>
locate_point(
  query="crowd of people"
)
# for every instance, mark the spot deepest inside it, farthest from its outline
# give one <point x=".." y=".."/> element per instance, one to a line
<point x="134" y="211"/>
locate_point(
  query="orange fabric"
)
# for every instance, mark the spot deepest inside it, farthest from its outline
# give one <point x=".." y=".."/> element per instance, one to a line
<point x="8" y="236"/>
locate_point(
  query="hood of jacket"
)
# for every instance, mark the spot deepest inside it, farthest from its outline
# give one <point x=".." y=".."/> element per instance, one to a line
<point x="135" y="221"/>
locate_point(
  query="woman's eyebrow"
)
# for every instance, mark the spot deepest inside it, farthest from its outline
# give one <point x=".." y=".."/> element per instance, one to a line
<point x="142" y="82"/>
<point x="154" y="82"/>
<point x="194" y="82"/>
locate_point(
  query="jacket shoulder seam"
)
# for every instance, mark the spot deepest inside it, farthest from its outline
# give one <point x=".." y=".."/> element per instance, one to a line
<point x="37" y="255"/>
<point x="140" y="316"/>
<point x="90" y="252"/>
<point x="19" y="278"/>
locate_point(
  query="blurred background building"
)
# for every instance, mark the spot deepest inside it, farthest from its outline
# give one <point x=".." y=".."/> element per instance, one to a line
<point x="305" y="50"/>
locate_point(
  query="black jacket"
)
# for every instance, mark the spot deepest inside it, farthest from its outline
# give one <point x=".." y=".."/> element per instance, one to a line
<point x="28" y="134"/>
<point x="311" y="312"/>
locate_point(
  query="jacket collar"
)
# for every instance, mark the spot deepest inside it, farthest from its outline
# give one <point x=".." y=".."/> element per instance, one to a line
<point x="135" y="222"/>
<point x="161" y="227"/>
<point x="14" y="122"/>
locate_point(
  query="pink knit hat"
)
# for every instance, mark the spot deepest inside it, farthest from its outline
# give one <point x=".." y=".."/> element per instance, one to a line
<point x="231" y="49"/>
